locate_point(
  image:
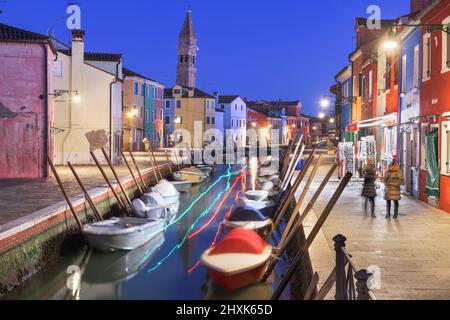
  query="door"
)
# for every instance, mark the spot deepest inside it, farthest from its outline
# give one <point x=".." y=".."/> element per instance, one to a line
<point x="408" y="161"/>
<point x="415" y="151"/>
<point x="22" y="150"/>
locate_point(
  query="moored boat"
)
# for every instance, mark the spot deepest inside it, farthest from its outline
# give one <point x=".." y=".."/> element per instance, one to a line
<point x="257" y="195"/>
<point x="194" y="175"/>
<point x="167" y="190"/>
<point x="265" y="207"/>
<point x="238" y="260"/>
<point x="250" y="218"/>
<point x="121" y="233"/>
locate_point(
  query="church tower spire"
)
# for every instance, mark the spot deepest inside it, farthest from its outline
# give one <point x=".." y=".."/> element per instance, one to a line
<point x="187" y="53"/>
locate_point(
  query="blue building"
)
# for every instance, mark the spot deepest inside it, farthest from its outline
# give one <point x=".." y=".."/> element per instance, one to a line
<point x="169" y="115"/>
<point x="344" y="78"/>
<point x="409" y="108"/>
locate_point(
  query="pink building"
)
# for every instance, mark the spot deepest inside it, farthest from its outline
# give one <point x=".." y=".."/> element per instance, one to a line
<point x="26" y="108"/>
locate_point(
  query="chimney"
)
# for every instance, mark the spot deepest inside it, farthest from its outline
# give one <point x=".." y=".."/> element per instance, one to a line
<point x="77" y="67"/>
<point x="418" y="5"/>
<point x="191" y="92"/>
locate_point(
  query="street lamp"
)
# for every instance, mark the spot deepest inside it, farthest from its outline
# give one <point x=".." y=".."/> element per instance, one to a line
<point x="321" y="115"/>
<point x="331" y="120"/>
<point x="324" y="103"/>
<point x="254" y="124"/>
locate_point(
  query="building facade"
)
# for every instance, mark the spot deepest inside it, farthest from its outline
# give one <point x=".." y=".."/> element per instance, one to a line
<point x="234" y="118"/>
<point x="89" y="116"/>
<point x="26" y="103"/>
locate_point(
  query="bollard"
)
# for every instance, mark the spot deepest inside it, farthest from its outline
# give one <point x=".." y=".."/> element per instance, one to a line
<point x="339" y="243"/>
<point x="362" y="276"/>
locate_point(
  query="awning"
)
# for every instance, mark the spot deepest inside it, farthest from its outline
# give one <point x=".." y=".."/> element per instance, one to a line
<point x="384" y="121"/>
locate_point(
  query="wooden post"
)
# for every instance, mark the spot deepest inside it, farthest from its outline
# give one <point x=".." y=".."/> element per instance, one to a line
<point x="291" y="194"/>
<point x="339" y="243"/>
<point x="362" y="278"/>
<point x="168" y="161"/>
<point x="304" y="249"/>
<point x="176" y="158"/>
<point x="66" y="196"/>
<point x="152" y="163"/>
<point x="156" y="163"/>
<point x="291" y="163"/>
<point x="119" y="200"/>
<point x="299" y="203"/>
<point x="289" y="175"/>
<point x="139" y="171"/>
<point x="299" y="222"/>
<point x="132" y="174"/>
<point x="312" y="288"/>
<point x="86" y="193"/>
<point x="116" y="176"/>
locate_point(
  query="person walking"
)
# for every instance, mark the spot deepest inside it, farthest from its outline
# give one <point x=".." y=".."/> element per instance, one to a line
<point x="369" y="192"/>
<point x="392" y="182"/>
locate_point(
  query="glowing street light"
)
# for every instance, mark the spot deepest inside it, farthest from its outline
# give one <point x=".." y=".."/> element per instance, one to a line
<point x="321" y="115"/>
<point x="390" y="45"/>
<point x="331" y="120"/>
<point x="76" y="98"/>
<point x="254" y="124"/>
<point x="324" y="103"/>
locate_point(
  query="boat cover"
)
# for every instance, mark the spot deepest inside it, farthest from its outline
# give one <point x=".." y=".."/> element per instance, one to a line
<point x="246" y="213"/>
<point x="240" y="241"/>
<point x="165" y="189"/>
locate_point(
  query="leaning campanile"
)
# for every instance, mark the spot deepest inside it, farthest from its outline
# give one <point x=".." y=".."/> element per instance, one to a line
<point x="187" y="54"/>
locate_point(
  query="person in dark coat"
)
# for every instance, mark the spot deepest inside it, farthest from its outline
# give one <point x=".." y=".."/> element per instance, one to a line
<point x="369" y="192"/>
<point x="392" y="182"/>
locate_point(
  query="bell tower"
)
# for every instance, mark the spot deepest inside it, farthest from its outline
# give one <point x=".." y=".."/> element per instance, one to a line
<point x="187" y="54"/>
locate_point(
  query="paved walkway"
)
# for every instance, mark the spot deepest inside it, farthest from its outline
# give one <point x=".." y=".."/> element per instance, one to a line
<point x="19" y="198"/>
<point x="412" y="252"/>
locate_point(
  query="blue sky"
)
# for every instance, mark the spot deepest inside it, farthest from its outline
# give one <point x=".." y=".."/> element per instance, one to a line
<point x="284" y="49"/>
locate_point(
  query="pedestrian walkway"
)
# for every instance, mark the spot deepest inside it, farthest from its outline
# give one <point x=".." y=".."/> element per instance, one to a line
<point x="412" y="252"/>
<point x="19" y="198"/>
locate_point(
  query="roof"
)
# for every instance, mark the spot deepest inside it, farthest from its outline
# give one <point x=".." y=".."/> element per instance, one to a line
<point x="95" y="56"/>
<point x="227" y="99"/>
<point x="188" y="31"/>
<point x="362" y="22"/>
<point x="13" y="34"/>
<point x="197" y="93"/>
<point x="129" y="73"/>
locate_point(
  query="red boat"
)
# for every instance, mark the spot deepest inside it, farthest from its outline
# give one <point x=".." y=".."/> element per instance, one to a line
<point x="238" y="260"/>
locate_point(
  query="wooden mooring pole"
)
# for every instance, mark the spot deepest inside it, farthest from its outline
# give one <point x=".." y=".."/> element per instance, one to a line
<point x="86" y="193"/>
<point x="132" y="174"/>
<point x="304" y="249"/>
<point x="168" y="161"/>
<point x="66" y="196"/>
<point x="119" y="200"/>
<point x="138" y="171"/>
<point x="155" y="162"/>
<point x="116" y="176"/>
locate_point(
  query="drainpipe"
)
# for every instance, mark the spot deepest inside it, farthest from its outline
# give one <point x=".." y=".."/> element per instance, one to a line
<point x="47" y="133"/>
<point x="116" y="79"/>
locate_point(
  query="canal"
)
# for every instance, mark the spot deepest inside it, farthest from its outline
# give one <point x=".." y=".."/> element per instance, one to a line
<point x="165" y="268"/>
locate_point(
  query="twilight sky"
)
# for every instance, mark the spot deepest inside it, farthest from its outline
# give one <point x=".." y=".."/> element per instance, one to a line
<point x="284" y="49"/>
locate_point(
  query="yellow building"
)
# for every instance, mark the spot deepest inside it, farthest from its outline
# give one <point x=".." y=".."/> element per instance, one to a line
<point x="88" y="103"/>
<point x="191" y="107"/>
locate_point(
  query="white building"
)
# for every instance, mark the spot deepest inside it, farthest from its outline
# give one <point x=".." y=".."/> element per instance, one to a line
<point x="88" y="103"/>
<point x="235" y="117"/>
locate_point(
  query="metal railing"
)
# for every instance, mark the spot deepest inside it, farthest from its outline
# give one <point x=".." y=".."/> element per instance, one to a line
<point x="346" y="274"/>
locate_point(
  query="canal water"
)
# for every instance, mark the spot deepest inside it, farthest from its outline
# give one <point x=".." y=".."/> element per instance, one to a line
<point x="165" y="268"/>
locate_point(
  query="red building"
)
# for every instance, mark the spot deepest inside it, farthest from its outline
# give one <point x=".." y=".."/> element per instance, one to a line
<point x="435" y="108"/>
<point x="26" y="108"/>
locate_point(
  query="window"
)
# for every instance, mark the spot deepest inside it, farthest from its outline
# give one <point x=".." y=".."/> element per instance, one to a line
<point x="136" y="89"/>
<point x="167" y="120"/>
<point x="208" y="121"/>
<point x="426" y="56"/>
<point x="154" y="92"/>
<point x="446" y="147"/>
<point x="222" y="106"/>
<point x="178" y="120"/>
<point x="396" y="71"/>
<point x="142" y="112"/>
<point x="360" y="85"/>
<point x="160" y="115"/>
<point x="181" y="58"/>
<point x="242" y="108"/>
<point x="193" y="59"/>
<point x="232" y="123"/>
<point x="167" y="104"/>
<point x="213" y="120"/>
<point x="404" y="60"/>
<point x="57" y="69"/>
<point x="446" y="46"/>
<point x="235" y="107"/>
<point x="176" y="91"/>
<point x="143" y="90"/>
<point x="186" y="58"/>
<point x="207" y="104"/>
<point x="153" y="115"/>
<point x="388" y="73"/>
<point x="147" y="117"/>
<point x="178" y="104"/>
<point x="416" y="67"/>
<point x="370" y="85"/>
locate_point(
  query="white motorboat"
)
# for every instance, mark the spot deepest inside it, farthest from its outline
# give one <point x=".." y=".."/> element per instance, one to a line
<point x="121" y="233"/>
<point x="264" y="206"/>
<point x="182" y="186"/>
<point x="257" y="195"/>
<point x="167" y="190"/>
<point x="194" y="175"/>
<point x="151" y="205"/>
